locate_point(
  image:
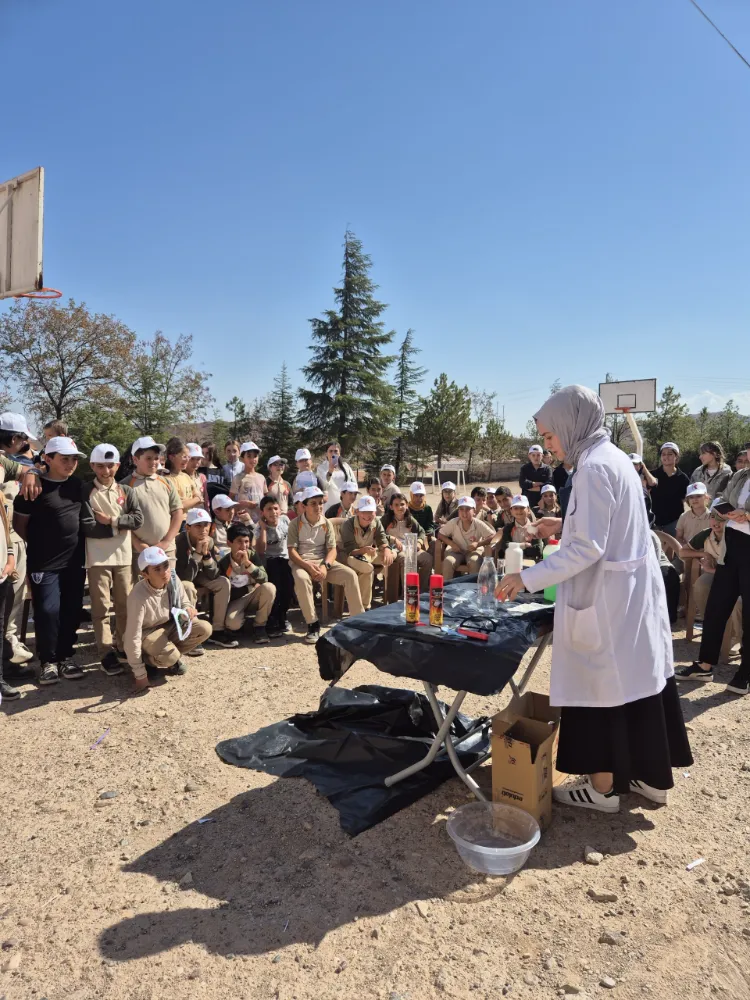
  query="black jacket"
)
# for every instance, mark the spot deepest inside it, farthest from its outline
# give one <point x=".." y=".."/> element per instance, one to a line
<point x="528" y="475"/>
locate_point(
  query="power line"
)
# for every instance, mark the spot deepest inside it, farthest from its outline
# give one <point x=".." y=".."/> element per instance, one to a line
<point x="717" y="29"/>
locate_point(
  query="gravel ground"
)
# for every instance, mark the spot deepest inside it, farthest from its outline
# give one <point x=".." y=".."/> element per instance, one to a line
<point x="128" y="897"/>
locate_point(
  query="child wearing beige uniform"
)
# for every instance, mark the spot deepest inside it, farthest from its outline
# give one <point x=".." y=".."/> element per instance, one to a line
<point x="158" y="500"/>
<point x="249" y="487"/>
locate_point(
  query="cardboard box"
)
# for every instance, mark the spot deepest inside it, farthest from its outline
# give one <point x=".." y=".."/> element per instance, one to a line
<point x="524" y="748"/>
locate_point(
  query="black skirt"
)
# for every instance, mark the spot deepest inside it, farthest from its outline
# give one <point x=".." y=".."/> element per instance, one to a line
<point x="643" y="740"/>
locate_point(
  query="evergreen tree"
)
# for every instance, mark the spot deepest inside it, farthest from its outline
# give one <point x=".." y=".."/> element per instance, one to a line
<point x="495" y="442"/>
<point x="408" y="376"/>
<point x="239" y="425"/>
<point x="352" y="401"/>
<point x="281" y="434"/>
<point x="481" y="413"/>
<point x="729" y="427"/>
<point x="444" y="425"/>
<point x="669" y="422"/>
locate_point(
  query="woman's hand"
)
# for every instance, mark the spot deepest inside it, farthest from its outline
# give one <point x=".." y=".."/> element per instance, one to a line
<point x="547" y="526"/>
<point x="509" y="587"/>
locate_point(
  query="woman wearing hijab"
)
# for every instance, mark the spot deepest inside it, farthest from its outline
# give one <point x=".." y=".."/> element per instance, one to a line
<point x="612" y="669"/>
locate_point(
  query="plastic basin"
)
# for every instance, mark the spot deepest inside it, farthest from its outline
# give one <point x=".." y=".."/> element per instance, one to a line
<point x="492" y="837"/>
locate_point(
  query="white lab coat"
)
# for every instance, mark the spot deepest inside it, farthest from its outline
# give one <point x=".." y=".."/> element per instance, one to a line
<point x="612" y="641"/>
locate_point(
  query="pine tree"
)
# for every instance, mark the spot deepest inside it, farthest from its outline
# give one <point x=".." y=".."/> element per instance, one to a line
<point x="444" y="425"/>
<point x="668" y="422"/>
<point x="281" y="434"/>
<point x="496" y="441"/>
<point x="408" y="376"/>
<point x="352" y="402"/>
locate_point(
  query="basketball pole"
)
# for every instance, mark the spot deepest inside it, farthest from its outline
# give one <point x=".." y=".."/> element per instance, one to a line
<point x="635" y="432"/>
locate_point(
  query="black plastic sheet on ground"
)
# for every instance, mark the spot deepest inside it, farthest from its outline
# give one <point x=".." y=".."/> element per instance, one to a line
<point x="350" y="746"/>
<point x="383" y="637"/>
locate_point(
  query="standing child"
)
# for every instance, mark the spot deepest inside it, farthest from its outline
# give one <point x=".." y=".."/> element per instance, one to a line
<point x="306" y="475"/>
<point x="697" y="518"/>
<point x="198" y="566"/>
<point x="233" y="466"/>
<point x="176" y="466"/>
<point x="109" y="559"/>
<point x="8" y="564"/>
<point x="210" y="466"/>
<point x="158" y="500"/>
<point x="162" y="623"/>
<point x="276" y="486"/>
<point x="249" y="487"/>
<point x="271" y="533"/>
<point x="195" y="460"/>
<point x="388" y="482"/>
<point x="251" y="590"/>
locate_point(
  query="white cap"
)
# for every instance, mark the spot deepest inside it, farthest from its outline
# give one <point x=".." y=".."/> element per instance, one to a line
<point x="305" y="479"/>
<point x="311" y="492"/>
<point x="635" y="458"/>
<point x="249" y="446"/>
<point x="15" y="423"/>
<point x="62" y="446"/>
<point x="448" y="485"/>
<point x="145" y="444"/>
<point x="152" y="556"/>
<point x="467" y="502"/>
<point x="367" y="504"/>
<point x="548" y="488"/>
<point x="536" y="449"/>
<point x="222" y="502"/>
<point x="197" y="515"/>
<point x="490" y="489"/>
<point x="520" y="501"/>
<point x="105" y="453"/>
<point x="696" y="490"/>
<point x="388" y="468"/>
<point x="669" y="444"/>
<point x="417" y="489"/>
<point x="349" y="487"/>
<point x="194" y="450"/>
<point x="298" y="496"/>
<point x="274" y="459"/>
<point x="302" y="453"/>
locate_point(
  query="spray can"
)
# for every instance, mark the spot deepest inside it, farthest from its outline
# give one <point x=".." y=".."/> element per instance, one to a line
<point x="411" y="598"/>
<point x="436" y="599"/>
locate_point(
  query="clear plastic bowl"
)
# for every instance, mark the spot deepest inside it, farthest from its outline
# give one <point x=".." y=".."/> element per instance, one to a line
<point x="493" y="838"/>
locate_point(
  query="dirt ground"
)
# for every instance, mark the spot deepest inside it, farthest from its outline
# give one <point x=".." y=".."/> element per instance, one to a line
<point x="130" y="898"/>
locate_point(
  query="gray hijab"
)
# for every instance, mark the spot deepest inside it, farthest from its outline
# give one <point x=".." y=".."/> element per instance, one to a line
<point x="576" y="415"/>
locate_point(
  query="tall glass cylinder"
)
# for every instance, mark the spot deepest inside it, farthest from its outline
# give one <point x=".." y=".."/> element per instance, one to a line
<point x="410" y="555"/>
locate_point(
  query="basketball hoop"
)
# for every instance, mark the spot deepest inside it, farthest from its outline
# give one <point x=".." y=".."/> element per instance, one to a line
<point x="41" y="293"/>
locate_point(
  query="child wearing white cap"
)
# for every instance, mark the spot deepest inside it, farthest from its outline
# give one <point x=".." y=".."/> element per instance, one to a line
<point x="548" y="505"/>
<point x="466" y="540"/>
<point x="276" y="485"/>
<point x="195" y="460"/>
<point x="158" y="500"/>
<point x="348" y="496"/>
<point x="306" y="475"/>
<point x="225" y="510"/>
<point x="534" y="474"/>
<point x="334" y="472"/>
<point x="364" y="545"/>
<point x="448" y="504"/>
<point x="162" y="622"/>
<point x="109" y="556"/>
<point x="516" y="531"/>
<point x="690" y="522"/>
<point x="388" y="482"/>
<point x="198" y="568"/>
<point x="421" y="511"/>
<point x="249" y="487"/>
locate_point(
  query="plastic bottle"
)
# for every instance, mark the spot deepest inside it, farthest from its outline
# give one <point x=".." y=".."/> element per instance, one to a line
<point x="486" y="583"/>
<point x="436" y="599"/>
<point x="551" y="546"/>
<point x="514" y="557"/>
<point x="411" y="598"/>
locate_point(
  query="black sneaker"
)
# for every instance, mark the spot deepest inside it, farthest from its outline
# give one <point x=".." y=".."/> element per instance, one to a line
<point x="178" y="668"/>
<point x="259" y="634"/>
<point x="198" y="651"/>
<point x="22" y="675"/>
<point x="70" y="670"/>
<point x="121" y="655"/>
<point x="111" y="665"/>
<point x="274" y="631"/>
<point x="9" y="693"/>
<point x="739" y="684"/>
<point x="49" y="674"/>
<point x="313" y="633"/>
<point x="224" y="639"/>
<point x="694" y="673"/>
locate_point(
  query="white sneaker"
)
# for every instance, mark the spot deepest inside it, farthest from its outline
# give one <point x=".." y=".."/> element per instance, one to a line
<point x="20" y="653"/>
<point x="658" y="795"/>
<point x="581" y="793"/>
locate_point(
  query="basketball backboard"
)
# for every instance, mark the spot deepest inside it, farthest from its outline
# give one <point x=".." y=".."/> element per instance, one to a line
<point x="636" y="397"/>
<point x="21" y="234"/>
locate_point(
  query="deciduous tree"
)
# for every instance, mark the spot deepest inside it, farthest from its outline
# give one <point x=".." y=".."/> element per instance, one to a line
<point x="444" y="422"/>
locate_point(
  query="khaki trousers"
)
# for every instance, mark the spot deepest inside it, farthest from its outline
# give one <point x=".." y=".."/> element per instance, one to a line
<point x="161" y="646"/>
<point x="108" y="583"/>
<point x="701" y="589"/>
<point x="338" y="573"/>
<point x="258" y="601"/>
<point x="396" y="574"/>
<point x="15" y="618"/>
<point x="220" y="588"/>
<point x="453" y="559"/>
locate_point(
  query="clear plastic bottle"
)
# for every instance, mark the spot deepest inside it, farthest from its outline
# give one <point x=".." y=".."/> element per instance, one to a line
<point x="552" y="546"/>
<point x="486" y="583"/>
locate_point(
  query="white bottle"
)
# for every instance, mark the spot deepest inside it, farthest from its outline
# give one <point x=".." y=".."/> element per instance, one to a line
<point x="513" y="558"/>
<point x="486" y="583"/>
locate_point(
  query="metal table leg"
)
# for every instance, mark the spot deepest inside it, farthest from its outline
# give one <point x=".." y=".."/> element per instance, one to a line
<point x="518" y="689"/>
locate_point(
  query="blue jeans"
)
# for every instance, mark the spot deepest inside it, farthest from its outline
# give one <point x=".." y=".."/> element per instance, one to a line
<point x="58" y="601"/>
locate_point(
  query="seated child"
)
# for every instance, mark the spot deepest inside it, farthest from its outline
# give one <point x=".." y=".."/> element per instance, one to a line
<point x="364" y="545"/>
<point x="197" y="566"/>
<point x="492" y="504"/>
<point x="503" y="516"/>
<point x="516" y="532"/>
<point x="375" y="490"/>
<point x="420" y="510"/>
<point x="224" y="509"/>
<point x="448" y="504"/>
<point x="483" y="512"/>
<point x="349" y="493"/>
<point x="697" y="518"/>
<point x="399" y="521"/>
<point x="466" y="540"/>
<point x="162" y="623"/>
<point x="251" y="591"/>
<point x="548" y="505"/>
<point x="271" y="533"/>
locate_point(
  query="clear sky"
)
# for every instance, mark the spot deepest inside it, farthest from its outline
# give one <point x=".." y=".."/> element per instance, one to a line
<point x="547" y="189"/>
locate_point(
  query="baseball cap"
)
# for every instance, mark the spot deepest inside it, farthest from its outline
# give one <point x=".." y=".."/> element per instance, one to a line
<point x="467" y="502"/>
<point x="298" y="496"/>
<point x="520" y="501"/>
<point x="669" y="444"/>
<point x="249" y="446"/>
<point x="349" y="487"/>
<point x="716" y="503"/>
<point x="367" y="504"/>
<point x="417" y="489"/>
<point x="302" y="453"/>
<point x="145" y="444"/>
<point x="536" y="449"/>
<point x="310" y="493"/>
<point x="635" y="458"/>
<point x="696" y="490"/>
<point x="62" y="446"/>
<point x="274" y="459"/>
<point x="152" y="556"/>
<point x="194" y="450"/>
<point x="105" y="453"/>
<point x="388" y="468"/>
<point x="198" y="516"/>
<point x="548" y="488"/>
<point x="305" y="479"/>
<point x="448" y="485"/>
<point x="490" y="489"/>
<point x="221" y="502"/>
<point x="15" y="423"/>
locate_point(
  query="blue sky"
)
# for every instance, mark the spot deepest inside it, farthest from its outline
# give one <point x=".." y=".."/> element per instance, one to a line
<point x="546" y="189"/>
